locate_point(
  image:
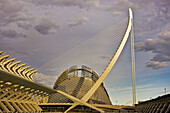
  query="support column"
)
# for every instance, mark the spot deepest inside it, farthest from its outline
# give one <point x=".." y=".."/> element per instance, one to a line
<point x="9" y="106"/>
<point x="6" y="86"/>
<point x="16" y="107"/>
<point x="164" y="107"/>
<point x="17" y="95"/>
<point x="30" y="107"/>
<point x="10" y="90"/>
<point x="34" y="106"/>
<point x="152" y="108"/>
<point x="20" y="99"/>
<point x="22" y="107"/>
<point x="156" y="107"/>
<point x="37" y="107"/>
<point x="159" y="108"/>
<point x="29" y="96"/>
<point x="168" y="109"/>
<point x="133" y="66"/>
<point x="38" y="99"/>
<point x="26" y="106"/>
<point x="149" y="109"/>
<point x="11" y="95"/>
<point x="5" y="109"/>
<point x="36" y="96"/>
<point x="0" y="111"/>
<point x="23" y="95"/>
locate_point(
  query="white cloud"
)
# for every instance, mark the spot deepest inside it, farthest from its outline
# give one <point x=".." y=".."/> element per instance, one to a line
<point x="129" y="88"/>
<point x="9" y="6"/>
<point x="160" y="47"/>
<point x="44" y="79"/>
<point x="15" y="12"/>
<point x="116" y="12"/>
<point x="79" y="21"/>
<point x="95" y="3"/>
<point x="47" y="26"/>
<point x="156" y="64"/>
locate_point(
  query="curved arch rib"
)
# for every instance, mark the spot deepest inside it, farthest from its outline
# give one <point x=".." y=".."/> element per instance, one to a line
<point x="111" y="64"/>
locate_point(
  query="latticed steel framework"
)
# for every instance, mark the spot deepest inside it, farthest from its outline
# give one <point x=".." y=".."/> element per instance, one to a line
<point x="13" y="95"/>
<point x="20" y="93"/>
<point x="76" y="82"/>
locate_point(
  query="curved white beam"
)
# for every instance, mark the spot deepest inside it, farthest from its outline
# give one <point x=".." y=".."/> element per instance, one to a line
<point x="111" y="64"/>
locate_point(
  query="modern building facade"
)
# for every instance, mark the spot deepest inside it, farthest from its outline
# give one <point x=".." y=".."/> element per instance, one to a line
<point x="75" y="88"/>
<point x="77" y="82"/>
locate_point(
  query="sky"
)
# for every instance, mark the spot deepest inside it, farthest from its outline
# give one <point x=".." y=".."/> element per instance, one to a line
<point x="36" y="32"/>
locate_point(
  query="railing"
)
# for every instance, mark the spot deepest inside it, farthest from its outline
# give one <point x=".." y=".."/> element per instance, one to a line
<point x="158" y="105"/>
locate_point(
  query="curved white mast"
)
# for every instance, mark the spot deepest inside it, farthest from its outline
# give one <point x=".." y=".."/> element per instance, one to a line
<point x="110" y="65"/>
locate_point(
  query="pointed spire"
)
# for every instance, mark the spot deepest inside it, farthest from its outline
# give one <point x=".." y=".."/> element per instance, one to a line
<point x="1" y="52"/>
<point x="31" y="74"/>
<point x="5" y="63"/>
<point x="8" y="61"/>
<point x="4" y="57"/>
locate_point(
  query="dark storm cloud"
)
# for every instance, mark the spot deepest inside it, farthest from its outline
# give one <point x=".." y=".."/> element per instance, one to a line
<point x="155" y="18"/>
<point x="11" y="34"/>
<point x="17" y="54"/>
<point x="79" y="3"/>
<point x="47" y="26"/>
<point x="163" y="10"/>
<point x="24" y="25"/>
<point x="79" y="21"/>
<point x="9" y="11"/>
<point x="160" y="47"/>
<point x="120" y="5"/>
<point x="106" y="57"/>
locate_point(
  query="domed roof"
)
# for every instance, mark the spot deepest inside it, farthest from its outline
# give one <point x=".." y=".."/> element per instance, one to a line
<point x="77" y="82"/>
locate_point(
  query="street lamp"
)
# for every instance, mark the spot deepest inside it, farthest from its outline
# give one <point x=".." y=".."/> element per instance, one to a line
<point x="165" y="90"/>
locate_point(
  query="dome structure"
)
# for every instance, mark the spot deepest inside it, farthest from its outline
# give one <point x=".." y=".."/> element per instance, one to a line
<point x="77" y="82"/>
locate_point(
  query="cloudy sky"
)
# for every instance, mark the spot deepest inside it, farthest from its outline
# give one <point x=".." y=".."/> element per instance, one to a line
<point x="38" y="31"/>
